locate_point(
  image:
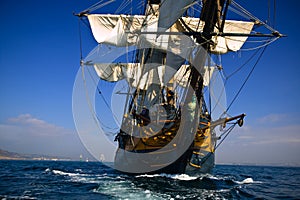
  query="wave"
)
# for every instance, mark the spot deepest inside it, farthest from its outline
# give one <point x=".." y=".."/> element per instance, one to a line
<point x="159" y="186"/>
<point x="186" y="177"/>
<point x="81" y="180"/>
<point x="182" y="177"/>
<point x="204" y="179"/>
<point x="47" y="170"/>
<point x="245" y="181"/>
<point x="65" y="173"/>
<point x="83" y="177"/>
<point x="17" y="197"/>
<point x="93" y="178"/>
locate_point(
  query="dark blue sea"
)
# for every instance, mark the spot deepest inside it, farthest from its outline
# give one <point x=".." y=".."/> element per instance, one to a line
<point x="93" y="180"/>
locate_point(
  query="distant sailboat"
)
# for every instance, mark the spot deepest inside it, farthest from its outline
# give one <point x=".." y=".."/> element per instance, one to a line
<point x="173" y="119"/>
<point x="102" y="158"/>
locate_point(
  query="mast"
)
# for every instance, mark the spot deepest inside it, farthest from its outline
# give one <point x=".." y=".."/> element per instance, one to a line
<point x="210" y="14"/>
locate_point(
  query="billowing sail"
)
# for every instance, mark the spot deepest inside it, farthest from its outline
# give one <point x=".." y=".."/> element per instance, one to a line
<point x="116" y="30"/>
<point x="183" y="74"/>
<point x="231" y="43"/>
<point x="124" y="30"/>
<point x="132" y="72"/>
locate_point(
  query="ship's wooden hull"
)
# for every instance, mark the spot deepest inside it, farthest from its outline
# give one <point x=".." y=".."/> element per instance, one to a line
<point x="180" y="166"/>
<point x="173" y="149"/>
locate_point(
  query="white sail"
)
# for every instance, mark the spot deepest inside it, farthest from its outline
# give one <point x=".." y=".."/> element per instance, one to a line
<point x="182" y="75"/>
<point x="231" y="43"/>
<point x="123" y="30"/>
<point x="132" y="72"/>
<point x="171" y="11"/>
<point x="153" y="40"/>
<point x="113" y="72"/>
<point x="116" y="30"/>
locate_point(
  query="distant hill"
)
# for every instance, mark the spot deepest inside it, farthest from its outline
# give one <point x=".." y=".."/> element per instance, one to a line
<point x="11" y="155"/>
<point x="7" y="155"/>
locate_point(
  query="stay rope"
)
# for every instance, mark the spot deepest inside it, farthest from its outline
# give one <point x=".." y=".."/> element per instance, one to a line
<point x="95" y="116"/>
<point x="103" y="98"/>
<point x="247" y="78"/>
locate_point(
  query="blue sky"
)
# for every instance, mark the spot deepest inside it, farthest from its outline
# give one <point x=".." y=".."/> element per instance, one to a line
<point x="39" y="59"/>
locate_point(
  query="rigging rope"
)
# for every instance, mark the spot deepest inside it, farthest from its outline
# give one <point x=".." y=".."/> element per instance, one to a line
<point x="251" y="16"/>
<point x="103" y="98"/>
<point x="269" y="11"/>
<point x="274" y="15"/>
<point x="98" y="5"/>
<point x="80" y="41"/>
<point x="95" y="117"/>
<point x="94" y="114"/>
<point x="226" y="133"/>
<point x="123" y="5"/>
<point x="218" y="99"/>
<point x="261" y="46"/>
<point x="247" y="78"/>
<point x="242" y="66"/>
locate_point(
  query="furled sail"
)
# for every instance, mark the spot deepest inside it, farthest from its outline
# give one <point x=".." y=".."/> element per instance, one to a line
<point x="124" y="30"/>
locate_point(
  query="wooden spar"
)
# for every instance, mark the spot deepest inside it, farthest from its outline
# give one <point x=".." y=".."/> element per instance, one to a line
<point x="223" y="121"/>
<point x="241" y="116"/>
<point x="274" y="34"/>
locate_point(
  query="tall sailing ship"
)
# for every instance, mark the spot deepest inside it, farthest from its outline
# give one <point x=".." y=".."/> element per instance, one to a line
<point x="168" y="54"/>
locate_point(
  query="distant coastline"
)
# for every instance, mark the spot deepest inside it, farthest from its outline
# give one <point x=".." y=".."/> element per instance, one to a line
<point x="263" y="164"/>
<point x="7" y="155"/>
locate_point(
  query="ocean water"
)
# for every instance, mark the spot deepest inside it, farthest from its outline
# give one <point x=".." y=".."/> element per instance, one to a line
<point x="93" y="180"/>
